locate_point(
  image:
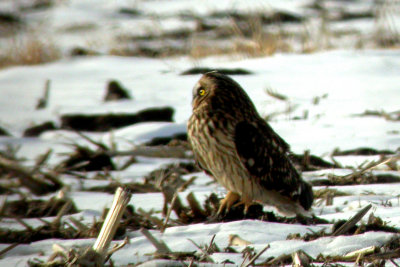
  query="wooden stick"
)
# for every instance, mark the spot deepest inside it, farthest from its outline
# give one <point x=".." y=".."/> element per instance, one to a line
<point x="256" y="256"/>
<point x="116" y="248"/>
<point x="370" y="166"/>
<point x="41" y="160"/>
<point x="110" y="225"/>
<point x="171" y="207"/>
<point x="65" y="208"/>
<point x="359" y="252"/>
<point x="211" y="242"/>
<point x="23" y="223"/>
<point x="178" y="205"/>
<point x="160" y="246"/>
<point x="7" y="249"/>
<point x="42" y="103"/>
<point x="90" y="140"/>
<point x="352" y="221"/>
<point x="384" y="255"/>
<point x="81" y="227"/>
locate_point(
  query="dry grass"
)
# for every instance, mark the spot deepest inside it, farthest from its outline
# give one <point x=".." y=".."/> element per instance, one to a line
<point x="238" y="35"/>
<point x="200" y="49"/>
<point x="386" y="33"/>
<point x="248" y="38"/>
<point x="28" y="50"/>
<point x="252" y="35"/>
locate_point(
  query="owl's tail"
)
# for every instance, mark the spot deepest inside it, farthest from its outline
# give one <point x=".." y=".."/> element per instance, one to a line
<point x="306" y="197"/>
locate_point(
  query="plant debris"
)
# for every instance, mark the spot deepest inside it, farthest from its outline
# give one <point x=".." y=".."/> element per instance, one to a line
<point x="38" y="129"/>
<point x="36" y="179"/>
<point x="133" y="187"/>
<point x="115" y="91"/>
<point x="87" y="159"/>
<point x="171" y="171"/>
<point x="308" y="162"/>
<point x="3" y="132"/>
<point x="178" y="138"/>
<point x="35" y="208"/>
<point x="43" y="101"/>
<point x="170" y="181"/>
<point x="73" y="228"/>
<point x="109" y="121"/>
<point x="198" y="70"/>
<point x="390" y="116"/>
<point x="364" y="151"/>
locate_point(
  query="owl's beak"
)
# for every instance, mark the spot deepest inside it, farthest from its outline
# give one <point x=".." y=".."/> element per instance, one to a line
<point x="195" y="101"/>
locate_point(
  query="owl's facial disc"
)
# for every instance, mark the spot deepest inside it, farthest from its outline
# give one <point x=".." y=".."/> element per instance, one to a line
<point x="199" y="93"/>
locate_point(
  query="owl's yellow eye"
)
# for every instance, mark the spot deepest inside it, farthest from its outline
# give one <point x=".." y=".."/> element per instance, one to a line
<point x="202" y="92"/>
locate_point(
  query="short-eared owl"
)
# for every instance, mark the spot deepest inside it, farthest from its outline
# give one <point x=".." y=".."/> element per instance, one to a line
<point x="241" y="151"/>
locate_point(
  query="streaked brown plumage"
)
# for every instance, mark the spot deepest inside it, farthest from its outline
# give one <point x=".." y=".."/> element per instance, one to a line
<point x="240" y="150"/>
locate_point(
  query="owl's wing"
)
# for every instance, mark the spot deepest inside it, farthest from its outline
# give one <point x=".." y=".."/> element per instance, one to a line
<point x="265" y="156"/>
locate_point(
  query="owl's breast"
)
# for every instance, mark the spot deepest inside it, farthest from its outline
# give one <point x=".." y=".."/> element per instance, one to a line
<point x="213" y="146"/>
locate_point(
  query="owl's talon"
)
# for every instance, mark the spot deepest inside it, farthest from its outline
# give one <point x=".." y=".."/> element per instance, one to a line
<point x="226" y="204"/>
<point x="246" y="204"/>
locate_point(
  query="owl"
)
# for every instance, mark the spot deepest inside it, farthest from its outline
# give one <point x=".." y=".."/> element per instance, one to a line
<point x="232" y="143"/>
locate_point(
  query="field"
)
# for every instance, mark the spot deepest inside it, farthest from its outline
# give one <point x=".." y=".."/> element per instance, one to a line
<point x="324" y="74"/>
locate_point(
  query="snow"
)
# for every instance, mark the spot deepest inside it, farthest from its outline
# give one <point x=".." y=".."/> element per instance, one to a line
<point x="345" y="76"/>
<point x="347" y="83"/>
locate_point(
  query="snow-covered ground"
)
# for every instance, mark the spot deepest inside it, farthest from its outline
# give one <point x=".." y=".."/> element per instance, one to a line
<point x="347" y="83"/>
<point x="353" y="81"/>
<point x="125" y="25"/>
<point x="325" y="94"/>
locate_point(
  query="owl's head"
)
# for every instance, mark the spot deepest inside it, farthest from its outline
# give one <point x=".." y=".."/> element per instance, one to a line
<point x="218" y="91"/>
